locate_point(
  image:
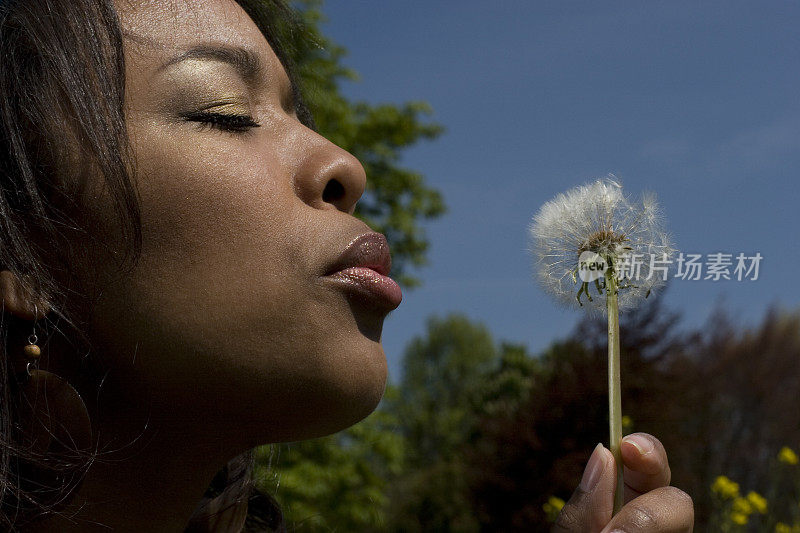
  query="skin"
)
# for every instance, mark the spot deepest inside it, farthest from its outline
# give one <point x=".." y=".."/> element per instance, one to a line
<point x="651" y="505"/>
<point x="227" y="334"/>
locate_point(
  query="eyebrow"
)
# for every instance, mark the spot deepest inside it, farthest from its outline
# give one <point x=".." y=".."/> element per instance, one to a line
<point x="246" y="62"/>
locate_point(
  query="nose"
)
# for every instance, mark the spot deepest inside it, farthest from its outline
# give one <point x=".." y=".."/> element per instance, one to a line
<point x="330" y="178"/>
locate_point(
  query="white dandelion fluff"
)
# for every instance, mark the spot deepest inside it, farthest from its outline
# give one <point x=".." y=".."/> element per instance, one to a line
<point x="597" y="217"/>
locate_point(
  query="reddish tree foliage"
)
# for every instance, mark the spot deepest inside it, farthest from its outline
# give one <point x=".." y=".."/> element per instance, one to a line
<point x="721" y="399"/>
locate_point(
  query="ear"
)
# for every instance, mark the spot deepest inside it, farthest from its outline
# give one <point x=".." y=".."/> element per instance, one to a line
<point x="18" y="301"/>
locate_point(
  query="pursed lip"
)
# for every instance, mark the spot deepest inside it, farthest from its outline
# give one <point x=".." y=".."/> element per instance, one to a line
<point x="362" y="270"/>
<point x="368" y="251"/>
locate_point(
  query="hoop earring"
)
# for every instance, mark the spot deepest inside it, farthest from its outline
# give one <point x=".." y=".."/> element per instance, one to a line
<point x="53" y="414"/>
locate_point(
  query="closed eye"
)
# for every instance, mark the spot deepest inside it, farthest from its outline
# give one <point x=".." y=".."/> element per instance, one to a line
<point x="222" y="121"/>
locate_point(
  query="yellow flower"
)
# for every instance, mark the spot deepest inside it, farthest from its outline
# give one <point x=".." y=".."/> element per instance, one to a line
<point x="787" y="456"/>
<point x="780" y="527"/>
<point x="725" y="487"/>
<point x="757" y="501"/>
<point x="627" y="423"/>
<point x="739" y="518"/>
<point x="742" y="506"/>
<point x="552" y="507"/>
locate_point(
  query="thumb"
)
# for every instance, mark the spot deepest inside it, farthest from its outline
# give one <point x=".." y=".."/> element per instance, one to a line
<point x="591" y="505"/>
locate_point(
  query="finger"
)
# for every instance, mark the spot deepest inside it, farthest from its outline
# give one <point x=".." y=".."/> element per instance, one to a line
<point x="663" y="510"/>
<point x="591" y="505"/>
<point x="645" y="464"/>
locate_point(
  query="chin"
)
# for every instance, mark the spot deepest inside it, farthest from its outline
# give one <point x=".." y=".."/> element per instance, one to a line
<point x="358" y="393"/>
<point x="356" y="370"/>
<point x="330" y="397"/>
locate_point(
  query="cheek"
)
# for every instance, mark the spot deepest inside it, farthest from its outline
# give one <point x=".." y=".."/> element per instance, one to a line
<point x="220" y="237"/>
<point x="225" y="302"/>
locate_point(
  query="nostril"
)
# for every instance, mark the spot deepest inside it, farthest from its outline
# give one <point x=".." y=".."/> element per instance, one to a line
<point x="334" y="192"/>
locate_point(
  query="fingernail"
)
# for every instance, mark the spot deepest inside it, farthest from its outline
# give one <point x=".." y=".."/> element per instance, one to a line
<point x="595" y="467"/>
<point x="643" y="444"/>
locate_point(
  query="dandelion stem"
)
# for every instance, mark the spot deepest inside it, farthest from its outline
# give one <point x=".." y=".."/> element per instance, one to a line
<point x="614" y="388"/>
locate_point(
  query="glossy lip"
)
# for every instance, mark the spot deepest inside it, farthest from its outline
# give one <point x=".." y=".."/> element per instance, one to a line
<point x="363" y="268"/>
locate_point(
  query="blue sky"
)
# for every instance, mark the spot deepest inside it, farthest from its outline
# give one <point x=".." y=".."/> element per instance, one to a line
<point x="696" y="101"/>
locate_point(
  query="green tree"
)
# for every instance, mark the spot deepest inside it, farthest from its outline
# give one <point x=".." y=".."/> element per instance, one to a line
<point x="454" y="375"/>
<point x="500" y="393"/>
<point x="441" y="372"/>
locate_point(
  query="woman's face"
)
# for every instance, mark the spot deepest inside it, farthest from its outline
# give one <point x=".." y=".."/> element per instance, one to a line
<point x="232" y="310"/>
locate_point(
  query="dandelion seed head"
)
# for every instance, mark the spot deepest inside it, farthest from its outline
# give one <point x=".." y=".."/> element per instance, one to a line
<point x="598" y="217"/>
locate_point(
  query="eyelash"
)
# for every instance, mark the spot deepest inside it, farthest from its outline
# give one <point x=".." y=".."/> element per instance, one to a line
<point x="222" y="121"/>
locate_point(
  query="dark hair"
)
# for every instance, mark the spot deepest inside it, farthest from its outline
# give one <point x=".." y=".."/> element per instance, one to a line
<point x="62" y="80"/>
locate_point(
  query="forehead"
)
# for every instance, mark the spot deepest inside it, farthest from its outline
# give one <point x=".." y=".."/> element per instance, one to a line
<point x="158" y="29"/>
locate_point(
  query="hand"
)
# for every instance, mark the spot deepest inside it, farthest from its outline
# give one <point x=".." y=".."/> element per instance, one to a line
<point x="651" y="505"/>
